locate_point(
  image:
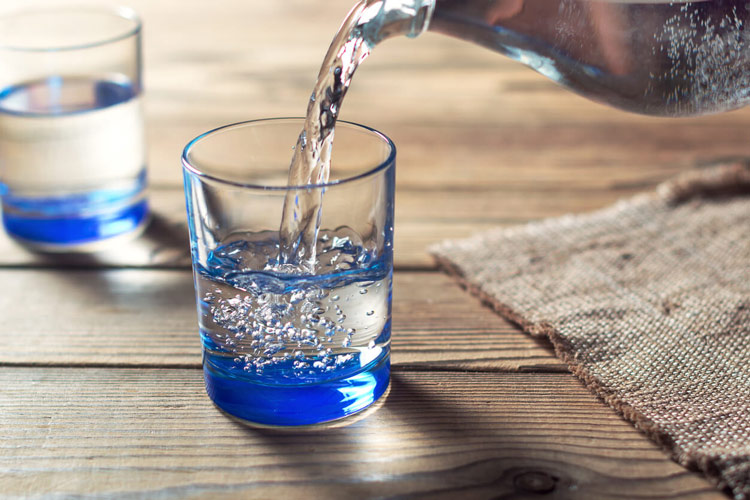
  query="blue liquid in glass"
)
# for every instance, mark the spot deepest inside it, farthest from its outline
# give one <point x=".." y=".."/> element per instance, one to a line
<point x="286" y="349"/>
<point x="71" y="161"/>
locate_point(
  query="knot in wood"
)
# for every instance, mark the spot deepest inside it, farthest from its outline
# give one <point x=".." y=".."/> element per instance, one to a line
<point x="535" y="481"/>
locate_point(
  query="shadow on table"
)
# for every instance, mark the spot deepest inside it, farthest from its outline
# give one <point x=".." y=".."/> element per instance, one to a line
<point x="145" y="281"/>
<point x="164" y="243"/>
<point x="423" y="442"/>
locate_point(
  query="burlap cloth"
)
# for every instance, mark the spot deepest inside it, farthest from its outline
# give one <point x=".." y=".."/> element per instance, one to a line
<point x="648" y="302"/>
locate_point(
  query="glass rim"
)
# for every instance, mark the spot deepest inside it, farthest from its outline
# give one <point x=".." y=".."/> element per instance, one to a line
<point x="120" y="11"/>
<point x="194" y="170"/>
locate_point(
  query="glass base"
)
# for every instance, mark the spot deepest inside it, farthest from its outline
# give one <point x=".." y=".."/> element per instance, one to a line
<point x="73" y="232"/>
<point x="281" y="406"/>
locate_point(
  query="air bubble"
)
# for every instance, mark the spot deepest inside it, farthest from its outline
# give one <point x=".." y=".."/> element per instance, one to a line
<point x="296" y="297"/>
<point x="262" y="324"/>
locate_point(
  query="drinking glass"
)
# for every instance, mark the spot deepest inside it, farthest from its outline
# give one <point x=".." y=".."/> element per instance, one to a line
<point x="72" y="148"/>
<point x="284" y="345"/>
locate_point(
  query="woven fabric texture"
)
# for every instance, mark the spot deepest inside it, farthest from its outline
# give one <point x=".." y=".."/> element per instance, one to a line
<point x="648" y="302"/>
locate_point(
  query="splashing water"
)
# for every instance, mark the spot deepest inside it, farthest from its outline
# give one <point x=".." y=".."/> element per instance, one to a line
<point x="368" y="23"/>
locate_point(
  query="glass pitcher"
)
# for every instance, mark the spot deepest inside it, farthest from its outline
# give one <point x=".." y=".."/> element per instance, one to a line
<point x="654" y="57"/>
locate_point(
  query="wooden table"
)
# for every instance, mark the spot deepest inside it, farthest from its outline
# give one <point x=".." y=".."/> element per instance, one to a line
<point x="101" y="391"/>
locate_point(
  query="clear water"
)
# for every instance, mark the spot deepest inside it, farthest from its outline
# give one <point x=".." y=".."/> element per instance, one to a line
<point x="646" y="56"/>
<point x="266" y="333"/>
<point x="296" y="323"/>
<point x="649" y="56"/>
<point x="310" y="163"/>
<point x="303" y="336"/>
<point x="71" y="160"/>
<point x="283" y="347"/>
<point x="366" y="25"/>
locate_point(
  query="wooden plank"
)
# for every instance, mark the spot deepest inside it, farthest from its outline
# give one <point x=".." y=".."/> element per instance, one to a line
<point x="483" y="141"/>
<point x="441" y="152"/>
<point x="446" y="103"/>
<point x="148" y="318"/>
<point x="423" y="216"/>
<point x="452" y="108"/>
<point x="154" y="433"/>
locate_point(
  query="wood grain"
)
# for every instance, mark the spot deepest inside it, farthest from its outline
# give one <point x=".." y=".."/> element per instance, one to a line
<point x="423" y="216"/>
<point x="148" y="318"/>
<point x="453" y="109"/>
<point x="153" y="433"/>
<point x="483" y="141"/>
<point x="100" y="391"/>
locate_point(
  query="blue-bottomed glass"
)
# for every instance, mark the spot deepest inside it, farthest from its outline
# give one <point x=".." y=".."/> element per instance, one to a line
<point x="286" y="346"/>
<point x="72" y="148"/>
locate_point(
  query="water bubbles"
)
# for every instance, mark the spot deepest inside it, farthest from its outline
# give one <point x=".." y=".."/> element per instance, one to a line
<point x="342" y="360"/>
<point x="308" y="307"/>
<point x="273" y="349"/>
<point x="338" y="242"/>
<point x="706" y="60"/>
<point x="296" y="297"/>
<point x="274" y="323"/>
<point x="308" y="333"/>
